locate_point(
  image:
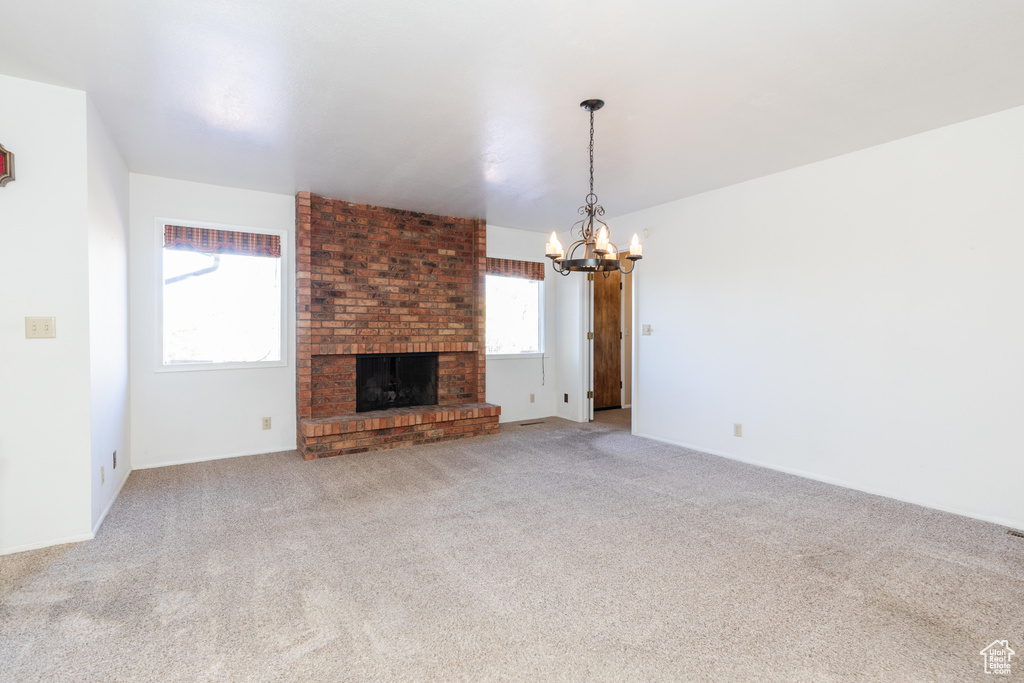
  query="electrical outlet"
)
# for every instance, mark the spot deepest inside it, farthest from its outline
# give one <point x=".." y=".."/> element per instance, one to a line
<point x="737" y="430"/>
<point x="115" y="461"/>
<point x="40" y="328"/>
<point x="533" y="398"/>
<point x="645" y="330"/>
<point x="103" y="476"/>
<point x="266" y="423"/>
<point x="565" y="398"/>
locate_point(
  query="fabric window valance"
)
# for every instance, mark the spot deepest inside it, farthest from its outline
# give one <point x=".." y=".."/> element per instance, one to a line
<point x="209" y="241"/>
<point x="530" y="270"/>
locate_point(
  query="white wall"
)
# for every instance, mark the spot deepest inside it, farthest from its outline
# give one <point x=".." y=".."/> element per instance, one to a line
<point x="510" y="381"/>
<point x="861" y="317"/>
<point x="203" y="414"/>
<point x="44" y="383"/>
<point x="108" y="315"/>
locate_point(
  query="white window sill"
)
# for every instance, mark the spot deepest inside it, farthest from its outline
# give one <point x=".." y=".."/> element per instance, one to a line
<point x="513" y="356"/>
<point x="193" y="367"/>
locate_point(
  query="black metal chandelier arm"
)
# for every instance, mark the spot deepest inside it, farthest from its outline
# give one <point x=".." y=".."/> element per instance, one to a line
<point x="563" y="271"/>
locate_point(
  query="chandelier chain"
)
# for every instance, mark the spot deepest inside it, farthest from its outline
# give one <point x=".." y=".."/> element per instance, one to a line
<point x="591" y="153"/>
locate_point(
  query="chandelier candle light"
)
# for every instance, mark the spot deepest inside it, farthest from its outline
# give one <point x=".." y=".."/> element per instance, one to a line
<point x="593" y="251"/>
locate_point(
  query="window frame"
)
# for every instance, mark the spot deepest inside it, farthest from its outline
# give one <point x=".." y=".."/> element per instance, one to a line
<point x="541" y="322"/>
<point x="159" y="223"/>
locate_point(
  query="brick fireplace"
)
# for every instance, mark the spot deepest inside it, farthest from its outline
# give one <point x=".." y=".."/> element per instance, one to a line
<point x="373" y="281"/>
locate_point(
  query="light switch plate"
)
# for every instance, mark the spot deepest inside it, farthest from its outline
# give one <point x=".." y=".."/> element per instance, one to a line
<point x="645" y="330"/>
<point x="40" y="328"/>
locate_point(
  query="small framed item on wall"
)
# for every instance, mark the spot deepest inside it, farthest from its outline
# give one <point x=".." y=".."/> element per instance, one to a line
<point x="6" y="166"/>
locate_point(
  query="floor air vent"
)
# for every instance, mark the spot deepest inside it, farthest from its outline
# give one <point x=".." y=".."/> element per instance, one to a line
<point x="527" y="424"/>
<point x="1014" y="532"/>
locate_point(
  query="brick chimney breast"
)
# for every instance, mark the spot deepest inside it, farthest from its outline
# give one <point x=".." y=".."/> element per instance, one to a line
<point x="374" y="280"/>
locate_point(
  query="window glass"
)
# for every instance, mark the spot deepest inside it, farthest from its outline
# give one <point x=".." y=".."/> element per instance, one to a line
<point x="513" y="315"/>
<point x="220" y="307"/>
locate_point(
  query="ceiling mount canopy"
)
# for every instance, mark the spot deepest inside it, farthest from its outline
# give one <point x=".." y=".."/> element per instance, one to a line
<point x="593" y="252"/>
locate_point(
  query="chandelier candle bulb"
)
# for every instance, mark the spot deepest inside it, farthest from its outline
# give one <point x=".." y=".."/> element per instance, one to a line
<point x="553" y="249"/>
<point x="636" y="250"/>
<point x="611" y="253"/>
<point x="601" y="246"/>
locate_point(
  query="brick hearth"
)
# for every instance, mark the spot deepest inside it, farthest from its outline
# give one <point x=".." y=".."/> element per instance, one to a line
<point x="374" y="280"/>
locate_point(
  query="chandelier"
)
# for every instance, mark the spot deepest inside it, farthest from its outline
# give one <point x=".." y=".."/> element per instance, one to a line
<point x="593" y="252"/>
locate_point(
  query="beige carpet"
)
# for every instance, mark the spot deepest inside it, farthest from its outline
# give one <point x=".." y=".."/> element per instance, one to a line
<point x="549" y="552"/>
<point x="621" y="418"/>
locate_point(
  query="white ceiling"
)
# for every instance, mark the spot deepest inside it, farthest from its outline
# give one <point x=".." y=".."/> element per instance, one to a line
<point x="470" y="107"/>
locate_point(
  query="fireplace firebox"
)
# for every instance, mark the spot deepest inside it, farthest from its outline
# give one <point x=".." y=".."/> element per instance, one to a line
<point x="395" y="381"/>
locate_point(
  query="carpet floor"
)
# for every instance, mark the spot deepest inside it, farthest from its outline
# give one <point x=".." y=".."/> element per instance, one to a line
<point x="553" y="551"/>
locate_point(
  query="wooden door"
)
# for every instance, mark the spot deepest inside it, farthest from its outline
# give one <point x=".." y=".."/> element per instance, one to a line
<point x="607" y="325"/>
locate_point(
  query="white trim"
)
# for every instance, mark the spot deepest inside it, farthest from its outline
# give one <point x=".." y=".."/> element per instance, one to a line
<point x="158" y="308"/>
<point x="628" y="405"/>
<point x="634" y="322"/>
<point x="622" y="336"/>
<point x="192" y="367"/>
<point x="1001" y="521"/>
<point x="46" y="544"/>
<point x="588" y="327"/>
<point x="207" y="458"/>
<point x="516" y="356"/>
<point x="103" y="515"/>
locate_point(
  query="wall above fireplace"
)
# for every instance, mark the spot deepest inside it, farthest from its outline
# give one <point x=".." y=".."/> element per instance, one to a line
<point x="373" y="280"/>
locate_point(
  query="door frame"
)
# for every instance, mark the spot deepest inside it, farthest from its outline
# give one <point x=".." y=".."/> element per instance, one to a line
<point x="634" y="350"/>
<point x="588" y="336"/>
<point x="587" y="325"/>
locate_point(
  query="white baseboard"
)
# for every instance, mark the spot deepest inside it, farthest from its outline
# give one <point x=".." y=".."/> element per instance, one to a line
<point x="46" y="544"/>
<point x="628" y="405"/>
<point x="1001" y="521"/>
<point x="206" y="458"/>
<point x="103" y="515"/>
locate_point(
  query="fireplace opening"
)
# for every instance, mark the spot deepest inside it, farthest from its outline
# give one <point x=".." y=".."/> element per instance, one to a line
<point x="395" y="381"/>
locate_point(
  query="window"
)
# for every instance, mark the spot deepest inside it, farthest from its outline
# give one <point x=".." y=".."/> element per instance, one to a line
<point x="514" y="304"/>
<point x="221" y="297"/>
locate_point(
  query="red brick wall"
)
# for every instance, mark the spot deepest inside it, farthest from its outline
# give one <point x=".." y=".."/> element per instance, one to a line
<point x="378" y="280"/>
<point x="333" y="377"/>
